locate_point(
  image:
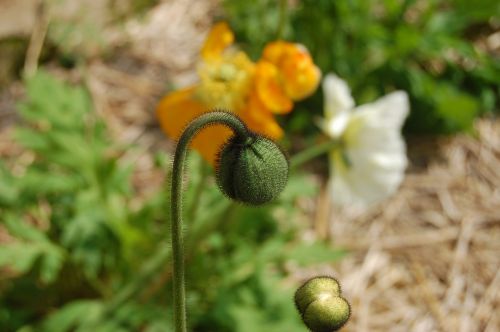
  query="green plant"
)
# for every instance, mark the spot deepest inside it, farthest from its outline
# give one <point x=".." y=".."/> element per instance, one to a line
<point x="95" y="263"/>
<point x="250" y="169"/>
<point x="63" y="208"/>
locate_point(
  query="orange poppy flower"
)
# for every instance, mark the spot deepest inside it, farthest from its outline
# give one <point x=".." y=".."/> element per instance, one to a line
<point x="229" y="80"/>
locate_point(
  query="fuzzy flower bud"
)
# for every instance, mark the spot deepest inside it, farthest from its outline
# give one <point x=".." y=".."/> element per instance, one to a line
<point x="321" y="306"/>
<point x="253" y="170"/>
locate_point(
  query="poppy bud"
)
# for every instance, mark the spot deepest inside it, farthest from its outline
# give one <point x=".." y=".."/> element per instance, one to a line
<point x="321" y="306"/>
<point x="251" y="170"/>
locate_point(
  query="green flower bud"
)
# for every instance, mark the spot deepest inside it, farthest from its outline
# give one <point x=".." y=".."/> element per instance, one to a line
<point x="327" y="314"/>
<point x="321" y="306"/>
<point x="313" y="288"/>
<point x="253" y="171"/>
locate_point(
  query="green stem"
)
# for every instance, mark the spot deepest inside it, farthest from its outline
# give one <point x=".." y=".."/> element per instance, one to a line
<point x="282" y="19"/>
<point x="308" y="154"/>
<point x="194" y="127"/>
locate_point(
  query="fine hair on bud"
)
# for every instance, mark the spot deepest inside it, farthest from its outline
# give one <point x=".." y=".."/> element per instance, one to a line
<point x="321" y="305"/>
<point x="252" y="170"/>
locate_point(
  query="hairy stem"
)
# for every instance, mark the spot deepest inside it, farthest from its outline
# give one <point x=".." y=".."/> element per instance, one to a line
<point x="192" y="129"/>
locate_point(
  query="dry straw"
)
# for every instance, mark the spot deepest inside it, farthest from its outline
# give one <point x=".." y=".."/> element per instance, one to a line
<point x="429" y="259"/>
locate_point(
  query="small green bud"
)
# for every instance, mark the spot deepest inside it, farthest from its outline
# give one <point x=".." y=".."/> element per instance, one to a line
<point x="327" y="314"/>
<point x="253" y="171"/>
<point x="321" y="306"/>
<point x="309" y="292"/>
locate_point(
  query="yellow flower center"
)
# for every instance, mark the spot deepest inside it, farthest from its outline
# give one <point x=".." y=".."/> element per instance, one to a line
<point x="225" y="81"/>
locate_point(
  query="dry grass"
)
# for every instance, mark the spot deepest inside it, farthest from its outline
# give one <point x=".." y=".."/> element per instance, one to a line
<point x="429" y="258"/>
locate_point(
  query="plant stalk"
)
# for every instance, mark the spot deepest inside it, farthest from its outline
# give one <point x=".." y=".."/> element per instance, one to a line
<point x="283" y="8"/>
<point x="313" y="152"/>
<point x="179" y="294"/>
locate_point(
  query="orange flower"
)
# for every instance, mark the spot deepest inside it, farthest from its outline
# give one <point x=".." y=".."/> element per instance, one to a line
<point x="298" y="74"/>
<point x="229" y="80"/>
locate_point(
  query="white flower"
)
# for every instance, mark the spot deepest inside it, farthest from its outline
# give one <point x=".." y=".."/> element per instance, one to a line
<point x="369" y="164"/>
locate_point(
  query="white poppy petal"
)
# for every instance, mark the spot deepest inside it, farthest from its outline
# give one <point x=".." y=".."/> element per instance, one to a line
<point x="365" y="186"/>
<point x="337" y="96"/>
<point x="390" y="110"/>
<point x="375" y="150"/>
<point x="335" y="126"/>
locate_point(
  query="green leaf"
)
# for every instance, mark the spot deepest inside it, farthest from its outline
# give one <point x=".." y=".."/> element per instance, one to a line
<point x="314" y="253"/>
<point x="22" y="230"/>
<point x="18" y="256"/>
<point x="9" y="189"/>
<point x="41" y="182"/>
<point x="72" y="315"/>
<point x="457" y="108"/>
<point x="31" y="139"/>
<point x="21" y="256"/>
<point x="477" y="11"/>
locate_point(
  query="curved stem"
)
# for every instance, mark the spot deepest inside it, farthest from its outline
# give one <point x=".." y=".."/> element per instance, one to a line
<point x="308" y="154"/>
<point x="194" y="127"/>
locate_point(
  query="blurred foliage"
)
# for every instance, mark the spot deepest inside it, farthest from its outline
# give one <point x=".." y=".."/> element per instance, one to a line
<point x="76" y="257"/>
<point x="423" y="47"/>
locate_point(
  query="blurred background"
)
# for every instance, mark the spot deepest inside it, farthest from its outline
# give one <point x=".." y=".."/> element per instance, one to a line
<point x="84" y="168"/>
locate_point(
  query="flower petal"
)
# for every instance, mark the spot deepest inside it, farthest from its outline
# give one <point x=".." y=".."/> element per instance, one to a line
<point x="269" y="89"/>
<point x="371" y="165"/>
<point x="300" y="76"/>
<point x="259" y="119"/>
<point x="176" y="110"/>
<point x="334" y="127"/>
<point x="337" y="94"/>
<point x="210" y="140"/>
<point x="218" y="39"/>
<point x="275" y="51"/>
<point x="390" y="110"/>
